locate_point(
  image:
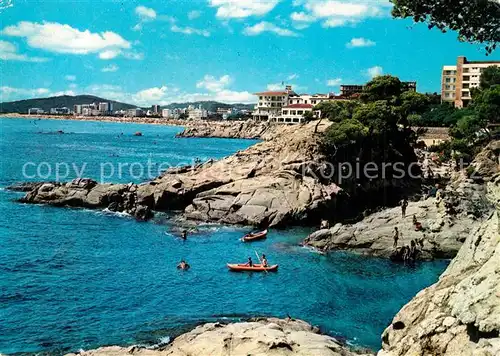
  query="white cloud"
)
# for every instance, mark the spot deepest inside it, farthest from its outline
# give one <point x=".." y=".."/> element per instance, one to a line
<point x="150" y="95"/>
<point x="145" y="13"/>
<point x="281" y="86"/>
<point x="194" y="14"/>
<point x="292" y="76"/>
<point x="275" y="86"/>
<point x="360" y="42"/>
<point x="211" y="83"/>
<point x="242" y="8"/>
<point x="11" y="93"/>
<point x="374" y="71"/>
<point x="336" y="13"/>
<point x="134" y="55"/>
<point x="70" y="78"/>
<point x="73" y="86"/>
<point x="8" y="52"/>
<point x="301" y="20"/>
<point x="265" y="26"/>
<point x="334" y="82"/>
<point x="110" y="68"/>
<point x="109" y="54"/>
<point x="59" y="38"/>
<point x="189" y="31"/>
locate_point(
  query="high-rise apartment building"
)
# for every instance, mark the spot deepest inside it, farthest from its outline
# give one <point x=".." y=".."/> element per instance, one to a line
<point x="458" y="80"/>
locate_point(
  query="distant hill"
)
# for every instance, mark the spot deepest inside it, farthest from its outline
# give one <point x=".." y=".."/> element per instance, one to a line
<point x="22" y="106"/>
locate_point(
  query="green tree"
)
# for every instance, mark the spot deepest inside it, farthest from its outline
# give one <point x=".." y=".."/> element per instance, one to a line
<point x="379" y="115"/>
<point x="336" y="110"/>
<point x="414" y="103"/>
<point x="346" y="132"/>
<point x="476" y="21"/>
<point x="487" y="104"/>
<point x="490" y="76"/>
<point x="384" y="87"/>
<point x="308" y="116"/>
<point x="443" y="115"/>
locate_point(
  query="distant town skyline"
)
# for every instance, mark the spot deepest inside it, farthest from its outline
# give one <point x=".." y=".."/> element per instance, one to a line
<point x="159" y="52"/>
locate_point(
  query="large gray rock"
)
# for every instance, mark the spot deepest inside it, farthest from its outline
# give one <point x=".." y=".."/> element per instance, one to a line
<point x="272" y="183"/>
<point x="270" y="336"/>
<point x="231" y="129"/>
<point x="446" y="223"/>
<point x="460" y="314"/>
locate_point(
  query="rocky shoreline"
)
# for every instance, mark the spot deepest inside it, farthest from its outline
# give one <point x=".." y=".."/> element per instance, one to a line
<point x="232" y="129"/>
<point x="274" y="183"/>
<point x="457" y="316"/>
<point x="200" y="128"/>
<point x="271" y="183"/>
<point x="262" y="336"/>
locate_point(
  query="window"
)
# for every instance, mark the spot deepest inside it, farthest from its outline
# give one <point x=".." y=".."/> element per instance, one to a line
<point x="447" y="87"/>
<point x="465" y="94"/>
<point x="466" y="70"/>
<point x="285" y="112"/>
<point x="300" y="112"/>
<point x="260" y="97"/>
<point x="293" y="112"/>
<point x="273" y="98"/>
<point x="448" y="80"/>
<point x="465" y="86"/>
<point x="466" y="78"/>
<point x="305" y="101"/>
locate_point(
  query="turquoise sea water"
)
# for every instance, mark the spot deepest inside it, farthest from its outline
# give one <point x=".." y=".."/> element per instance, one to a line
<point x="76" y="278"/>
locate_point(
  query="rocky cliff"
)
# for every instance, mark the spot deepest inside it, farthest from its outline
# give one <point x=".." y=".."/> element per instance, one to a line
<point x="259" y="337"/>
<point x="445" y="222"/>
<point x="231" y="129"/>
<point x="271" y="183"/>
<point x="460" y="314"/>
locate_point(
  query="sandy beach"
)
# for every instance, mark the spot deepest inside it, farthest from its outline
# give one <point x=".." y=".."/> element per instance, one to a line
<point x="134" y="120"/>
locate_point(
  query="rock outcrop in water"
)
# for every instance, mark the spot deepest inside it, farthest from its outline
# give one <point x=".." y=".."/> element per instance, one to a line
<point x="231" y="129"/>
<point x="271" y="183"/>
<point x="445" y="222"/>
<point x="260" y="337"/>
<point x="460" y="314"/>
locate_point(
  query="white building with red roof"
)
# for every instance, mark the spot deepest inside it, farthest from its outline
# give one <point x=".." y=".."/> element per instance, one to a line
<point x="270" y="103"/>
<point x="288" y="107"/>
<point x="294" y="113"/>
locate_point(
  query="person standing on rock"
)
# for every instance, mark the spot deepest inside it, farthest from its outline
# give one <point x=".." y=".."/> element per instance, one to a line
<point x="404" y="205"/>
<point x="396" y="237"/>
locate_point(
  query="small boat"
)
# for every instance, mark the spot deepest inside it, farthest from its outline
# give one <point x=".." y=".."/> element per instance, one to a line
<point x="255" y="236"/>
<point x="254" y="268"/>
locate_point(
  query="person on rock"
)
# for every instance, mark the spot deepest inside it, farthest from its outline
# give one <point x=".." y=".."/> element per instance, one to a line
<point x="413" y="249"/>
<point x="404" y="205"/>
<point x="395" y="237"/>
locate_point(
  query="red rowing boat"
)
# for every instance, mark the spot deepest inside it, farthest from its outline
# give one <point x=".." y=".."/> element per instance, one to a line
<point x="254" y="268"/>
<point x="254" y="236"/>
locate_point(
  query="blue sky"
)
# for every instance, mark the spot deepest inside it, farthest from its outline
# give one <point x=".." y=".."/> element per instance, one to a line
<point x="147" y="52"/>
